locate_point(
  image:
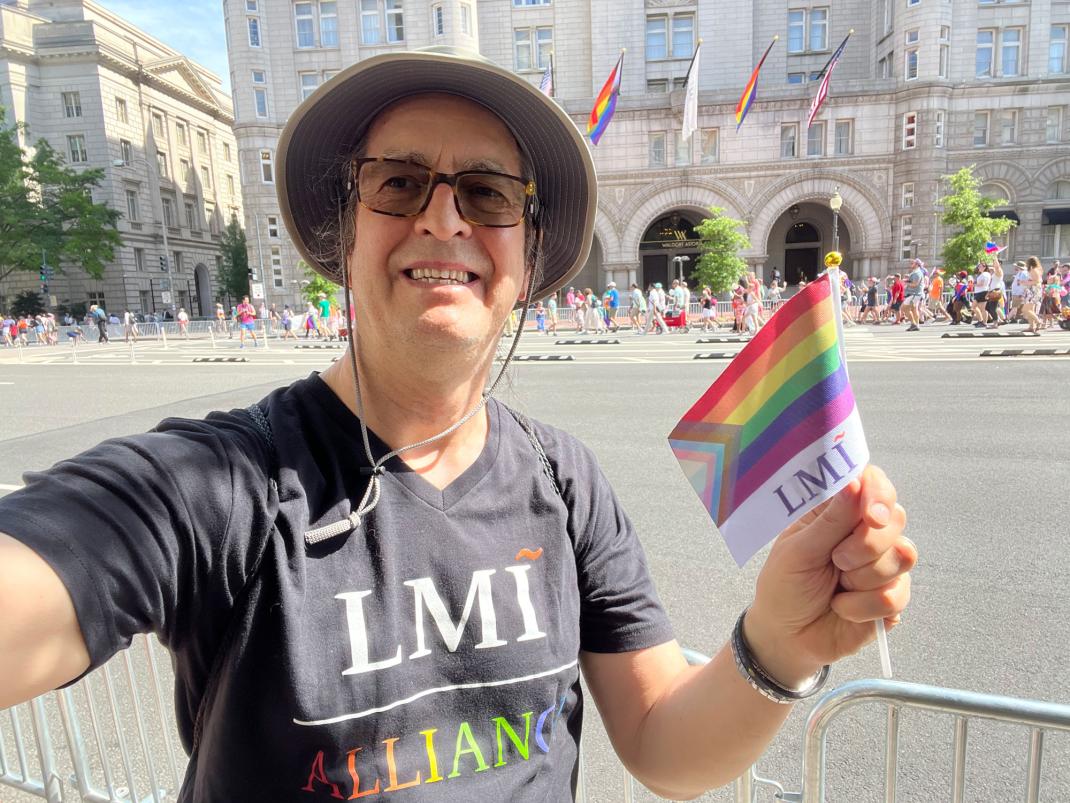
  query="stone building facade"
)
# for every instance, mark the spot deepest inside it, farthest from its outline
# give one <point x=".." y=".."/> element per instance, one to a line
<point x="924" y="88"/>
<point x="107" y="95"/>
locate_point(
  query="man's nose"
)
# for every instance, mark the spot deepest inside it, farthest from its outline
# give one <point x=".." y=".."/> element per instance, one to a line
<point x="441" y="218"/>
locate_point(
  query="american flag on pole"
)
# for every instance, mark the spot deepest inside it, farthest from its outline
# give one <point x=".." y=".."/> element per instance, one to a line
<point x="823" y="87"/>
<point x="546" y="85"/>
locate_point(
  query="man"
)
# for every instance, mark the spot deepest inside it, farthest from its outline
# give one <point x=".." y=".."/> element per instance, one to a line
<point x="936" y="295"/>
<point x="913" y="294"/>
<point x="246" y="315"/>
<point x="320" y="609"/>
<point x="101" y="319"/>
<point x="870" y="307"/>
<point x="637" y="309"/>
<point x="1021" y="275"/>
<point x="130" y="332"/>
<point x="896" y="296"/>
<point x="610" y="302"/>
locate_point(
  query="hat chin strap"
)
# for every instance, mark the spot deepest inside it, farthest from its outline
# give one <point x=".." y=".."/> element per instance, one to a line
<point x="373" y="491"/>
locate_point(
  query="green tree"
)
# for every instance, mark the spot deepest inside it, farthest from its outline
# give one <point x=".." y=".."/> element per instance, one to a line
<point x="967" y="209"/>
<point x="315" y="284"/>
<point x="47" y="208"/>
<point x="28" y="302"/>
<point x="720" y="265"/>
<point x="233" y="278"/>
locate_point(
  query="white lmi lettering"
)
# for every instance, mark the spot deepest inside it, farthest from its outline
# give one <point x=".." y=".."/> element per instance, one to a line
<point x="426" y="598"/>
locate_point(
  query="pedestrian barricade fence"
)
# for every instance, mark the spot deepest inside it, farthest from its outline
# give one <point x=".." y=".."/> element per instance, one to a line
<point x="112" y="737"/>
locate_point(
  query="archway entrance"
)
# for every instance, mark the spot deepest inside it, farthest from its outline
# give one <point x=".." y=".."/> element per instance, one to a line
<point x="204" y="290"/>
<point x="670" y="249"/>
<point x="799" y="240"/>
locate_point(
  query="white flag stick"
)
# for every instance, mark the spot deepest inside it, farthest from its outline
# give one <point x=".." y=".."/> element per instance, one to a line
<point x="835" y="290"/>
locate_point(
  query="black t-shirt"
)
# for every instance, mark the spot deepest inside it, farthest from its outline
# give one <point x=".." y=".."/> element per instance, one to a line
<point x="432" y="650"/>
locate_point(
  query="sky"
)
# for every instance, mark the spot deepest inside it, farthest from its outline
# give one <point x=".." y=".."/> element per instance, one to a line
<point x="193" y="27"/>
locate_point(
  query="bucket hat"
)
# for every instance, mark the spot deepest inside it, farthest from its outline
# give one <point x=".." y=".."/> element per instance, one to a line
<point x="323" y="131"/>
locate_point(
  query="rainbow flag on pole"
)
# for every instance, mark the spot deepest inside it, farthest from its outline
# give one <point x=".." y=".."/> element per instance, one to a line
<point x="606" y="103"/>
<point x="747" y="98"/>
<point x="778" y="432"/>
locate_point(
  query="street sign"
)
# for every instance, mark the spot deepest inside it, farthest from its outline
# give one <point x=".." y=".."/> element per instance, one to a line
<point x="256" y="289"/>
<point x="52" y="301"/>
<point x="165" y="284"/>
<point x="165" y="296"/>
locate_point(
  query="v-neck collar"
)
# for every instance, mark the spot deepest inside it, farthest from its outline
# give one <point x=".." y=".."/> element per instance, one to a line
<point x="398" y="469"/>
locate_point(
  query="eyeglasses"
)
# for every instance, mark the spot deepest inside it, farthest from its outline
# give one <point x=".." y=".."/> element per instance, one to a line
<point x="403" y="189"/>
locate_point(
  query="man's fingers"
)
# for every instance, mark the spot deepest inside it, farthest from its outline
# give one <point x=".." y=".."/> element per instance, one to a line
<point x="867" y="543"/>
<point x="870" y="498"/>
<point x="898" y="560"/>
<point x="867" y="606"/>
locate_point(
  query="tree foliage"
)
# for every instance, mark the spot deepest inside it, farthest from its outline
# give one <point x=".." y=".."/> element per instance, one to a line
<point x="46" y="208"/>
<point x="967" y="209"/>
<point x="316" y="284"/>
<point x="233" y="278"/>
<point x="720" y="265"/>
<point x="28" y="302"/>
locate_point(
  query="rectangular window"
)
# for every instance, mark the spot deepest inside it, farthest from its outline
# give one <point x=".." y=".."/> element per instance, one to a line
<point x="1057" y="60"/>
<point x="985" y="53"/>
<point x="304" y="24"/>
<point x="276" y="266"/>
<point x="184" y="173"/>
<point x="126" y="151"/>
<point x="844" y="137"/>
<point x="657" y="84"/>
<point x="273" y="227"/>
<point x="910" y="130"/>
<point x="544" y="40"/>
<point x="944" y="68"/>
<point x="683" y="36"/>
<point x="1008" y="127"/>
<point x="157" y="125"/>
<point x="180" y="135"/>
<point x="815" y="140"/>
<point x="1053" y="125"/>
<point x="226" y="151"/>
<point x="466" y="19"/>
<point x="796" y="31"/>
<point x="252" y="6"/>
<point x="72" y="104"/>
<point x="120" y="110"/>
<point x="789" y="135"/>
<point x="522" y="3"/>
<point x="213" y="222"/>
<point x="395" y="25"/>
<point x="328" y="23"/>
<point x="938" y="130"/>
<point x="254" y="31"/>
<point x="657" y="38"/>
<point x="532" y="47"/>
<point x="438" y="20"/>
<point x="309" y="82"/>
<point x="161" y="164"/>
<point x="260" y="102"/>
<point x="709" y="144"/>
<point x="139" y="259"/>
<point x="1010" y="52"/>
<point x="913" y="2"/>
<point x="913" y="37"/>
<point x="267" y="168"/>
<point x="522" y="49"/>
<point x="230" y="184"/>
<point x="906" y="236"/>
<point x="980" y="129"/>
<point x="370" y="23"/>
<point x="819" y="29"/>
<point x="885" y="66"/>
<point x="908" y="194"/>
<point x="206" y="177"/>
<point x="329" y="74"/>
<point x="259" y="77"/>
<point x="133" y="208"/>
<point x="76" y="149"/>
<point x="657" y="149"/>
<point x="911" y="64"/>
<point x="681" y="150"/>
<point x="202" y="143"/>
<point x="168" y="212"/>
<point x="796" y="78"/>
<point x="177" y="264"/>
<point x="189" y="214"/>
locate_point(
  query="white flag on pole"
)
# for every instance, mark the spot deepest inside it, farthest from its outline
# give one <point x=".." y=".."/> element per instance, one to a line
<point x="691" y="99"/>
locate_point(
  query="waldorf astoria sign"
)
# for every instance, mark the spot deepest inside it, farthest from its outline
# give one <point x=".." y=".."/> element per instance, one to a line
<point x="671" y="232"/>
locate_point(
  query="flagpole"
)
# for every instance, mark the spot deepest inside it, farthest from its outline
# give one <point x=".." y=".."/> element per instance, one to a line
<point x="691" y="63"/>
<point x="553" y="76"/>
<point x="835" y="290"/>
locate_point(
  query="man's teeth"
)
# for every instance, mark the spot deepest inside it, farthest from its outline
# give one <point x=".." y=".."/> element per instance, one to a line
<point x="436" y="276"/>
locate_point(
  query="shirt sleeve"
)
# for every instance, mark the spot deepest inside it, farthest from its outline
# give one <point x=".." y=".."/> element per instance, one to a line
<point x="620" y="609"/>
<point x="149" y="533"/>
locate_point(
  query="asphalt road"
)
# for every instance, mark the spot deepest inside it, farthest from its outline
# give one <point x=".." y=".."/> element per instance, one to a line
<point x="976" y="447"/>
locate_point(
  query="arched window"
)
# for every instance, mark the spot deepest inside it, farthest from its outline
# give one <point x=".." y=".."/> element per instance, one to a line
<point x="1060" y="190"/>
<point x="802" y="233"/>
<point x="996" y="192"/>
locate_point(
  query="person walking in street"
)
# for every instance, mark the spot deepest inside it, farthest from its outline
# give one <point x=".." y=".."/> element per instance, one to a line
<point x="982" y="279"/>
<point x="655" y="304"/>
<point x="912" y="295"/>
<point x="183" y="323"/>
<point x="130" y="332"/>
<point x="610" y="303"/>
<point x="707" y="305"/>
<point x="997" y="290"/>
<point x="287" y="321"/>
<point x="1032" y="293"/>
<point x="101" y="319"/>
<point x="246" y="314"/>
<point x="551" y="314"/>
<point x="936" y="295"/>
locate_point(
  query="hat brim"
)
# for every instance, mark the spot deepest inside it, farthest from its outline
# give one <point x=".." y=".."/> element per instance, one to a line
<point x="325" y="129"/>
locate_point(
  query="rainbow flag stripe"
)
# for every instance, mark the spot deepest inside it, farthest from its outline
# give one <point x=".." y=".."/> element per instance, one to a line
<point x="778" y="423"/>
<point x="750" y="91"/>
<point x="605" y="104"/>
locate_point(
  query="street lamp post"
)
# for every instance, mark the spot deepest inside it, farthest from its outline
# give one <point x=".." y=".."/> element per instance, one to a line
<point x="679" y="262"/>
<point x="163" y="226"/>
<point x="835" y="202"/>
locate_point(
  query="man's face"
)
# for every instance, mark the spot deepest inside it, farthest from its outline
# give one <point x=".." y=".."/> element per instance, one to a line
<point x="447" y="134"/>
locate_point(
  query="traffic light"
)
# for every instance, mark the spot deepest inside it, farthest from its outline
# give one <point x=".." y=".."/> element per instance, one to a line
<point x="44" y="275"/>
<point x="163" y="262"/>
